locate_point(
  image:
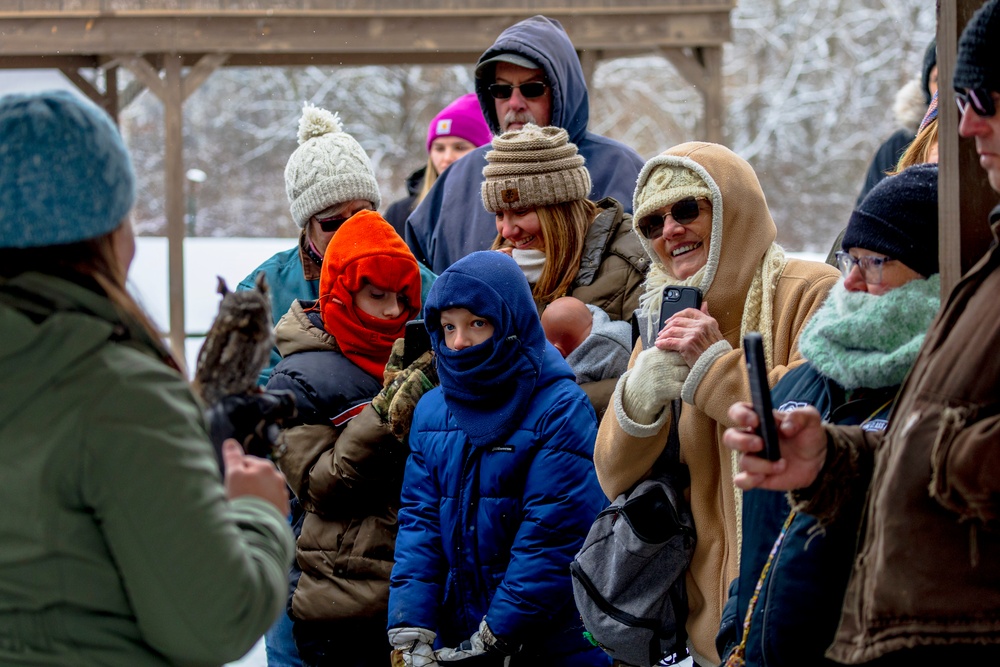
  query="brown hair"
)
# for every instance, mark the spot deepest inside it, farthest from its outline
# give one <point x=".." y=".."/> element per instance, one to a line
<point x="92" y="263"/>
<point x="919" y="149"/>
<point x="564" y="228"/>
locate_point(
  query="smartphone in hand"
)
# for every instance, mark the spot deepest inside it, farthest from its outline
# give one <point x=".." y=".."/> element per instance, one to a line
<point x="675" y="299"/>
<point x="416" y="341"/>
<point x="760" y="394"/>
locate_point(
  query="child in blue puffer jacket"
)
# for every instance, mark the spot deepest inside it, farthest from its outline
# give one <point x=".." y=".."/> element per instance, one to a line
<point x="499" y="490"/>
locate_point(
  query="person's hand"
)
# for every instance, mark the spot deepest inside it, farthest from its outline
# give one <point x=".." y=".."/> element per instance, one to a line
<point x="654" y="381"/>
<point x="690" y="332"/>
<point x="412" y="647"/>
<point x="395" y="364"/>
<point x="482" y="641"/>
<point x="803" y="448"/>
<point x="398" y="399"/>
<point x="251" y="476"/>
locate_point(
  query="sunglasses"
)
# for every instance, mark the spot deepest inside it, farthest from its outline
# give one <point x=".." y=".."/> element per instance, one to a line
<point x="331" y="224"/>
<point x="979" y="99"/>
<point x="529" y="90"/>
<point x="683" y="212"/>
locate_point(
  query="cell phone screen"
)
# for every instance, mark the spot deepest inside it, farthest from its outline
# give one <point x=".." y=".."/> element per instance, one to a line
<point x="760" y="394"/>
<point x="416" y="341"/>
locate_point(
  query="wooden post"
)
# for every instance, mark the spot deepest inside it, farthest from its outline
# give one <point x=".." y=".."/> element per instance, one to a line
<point x="173" y="123"/>
<point x="964" y="193"/>
<point x="172" y="90"/>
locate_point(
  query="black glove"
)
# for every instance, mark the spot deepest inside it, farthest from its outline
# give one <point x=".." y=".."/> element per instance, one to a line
<point x="253" y="419"/>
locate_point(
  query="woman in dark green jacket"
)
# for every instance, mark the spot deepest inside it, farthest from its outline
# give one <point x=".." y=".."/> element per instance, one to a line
<point x="120" y="544"/>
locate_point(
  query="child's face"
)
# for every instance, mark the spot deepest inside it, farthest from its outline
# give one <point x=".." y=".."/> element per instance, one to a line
<point x="380" y="303"/>
<point x="464" y="329"/>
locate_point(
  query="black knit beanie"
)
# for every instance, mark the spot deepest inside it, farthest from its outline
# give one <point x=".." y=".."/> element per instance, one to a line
<point x="978" y="64"/>
<point x="930" y="60"/>
<point x="899" y="218"/>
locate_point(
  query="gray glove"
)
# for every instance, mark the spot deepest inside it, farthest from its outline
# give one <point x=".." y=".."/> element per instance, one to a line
<point x="482" y="641"/>
<point x="412" y="647"/>
<point x="652" y="383"/>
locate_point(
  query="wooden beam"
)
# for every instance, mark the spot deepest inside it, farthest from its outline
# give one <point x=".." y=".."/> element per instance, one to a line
<point x="322" y="34"/>
<point x="965" y="197"/>
<point x="200" y="72"/>
<point x="702" y="68"/>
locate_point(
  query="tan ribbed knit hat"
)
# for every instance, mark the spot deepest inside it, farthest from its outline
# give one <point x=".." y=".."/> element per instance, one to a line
<point x="533" y="166"/>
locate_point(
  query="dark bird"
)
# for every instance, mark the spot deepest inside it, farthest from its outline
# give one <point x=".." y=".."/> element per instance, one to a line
<point x="238" y="344"/>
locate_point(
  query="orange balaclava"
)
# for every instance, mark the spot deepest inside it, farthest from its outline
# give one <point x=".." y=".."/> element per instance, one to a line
<point x="366" y="250"/>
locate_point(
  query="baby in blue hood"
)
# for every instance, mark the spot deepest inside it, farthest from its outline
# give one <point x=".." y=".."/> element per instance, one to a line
<point x="499" y="490"/>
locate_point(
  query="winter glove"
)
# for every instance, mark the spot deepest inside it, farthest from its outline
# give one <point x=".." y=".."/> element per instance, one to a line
<point x="483" y="641"/>
<point x="254" y="419"/>
<point x="398" y="399"/>
<point x="395" y="364"/>
<point x="412" y="647"/>
<point x="652" y="383"/>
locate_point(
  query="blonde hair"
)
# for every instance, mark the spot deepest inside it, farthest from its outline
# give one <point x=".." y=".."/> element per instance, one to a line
<point x="919" y="149"/>
<point x="92" y="263"/>
<point x="564" y="229"/>
<point x="430" y="176"/>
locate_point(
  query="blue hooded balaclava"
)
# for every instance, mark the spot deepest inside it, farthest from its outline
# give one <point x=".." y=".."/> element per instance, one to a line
<point x="488" y="386"/>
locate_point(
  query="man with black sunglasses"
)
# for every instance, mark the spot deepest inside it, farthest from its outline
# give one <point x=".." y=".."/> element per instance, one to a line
<point x="531" y="74"/>
<point x="923" y="589"/>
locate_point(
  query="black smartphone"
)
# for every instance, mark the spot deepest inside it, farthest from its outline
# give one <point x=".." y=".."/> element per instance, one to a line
<point x="676" y="299"/>
<point x="760" y="393"/>
<point x="416" y="341"/>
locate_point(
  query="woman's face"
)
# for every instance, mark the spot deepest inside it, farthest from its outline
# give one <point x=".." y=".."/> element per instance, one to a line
<point x="381" y="304"/>
<point x="445" y="150"/>
<point x="893" y="274"/>
<point x="521" y="228"/>
<point x="463" y="328"/>
<point x="123" y="239"/>
<point x="683" y="249"/>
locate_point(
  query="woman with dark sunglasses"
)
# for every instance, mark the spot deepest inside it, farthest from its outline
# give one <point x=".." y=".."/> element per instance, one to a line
<point x="703" y="220"/>
<point x="536" y="185"/>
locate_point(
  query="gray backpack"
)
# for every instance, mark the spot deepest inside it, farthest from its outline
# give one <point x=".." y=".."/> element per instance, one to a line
<point x="629" y="576"/>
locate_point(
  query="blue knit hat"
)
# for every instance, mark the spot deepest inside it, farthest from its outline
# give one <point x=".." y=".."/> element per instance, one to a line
<point x="65" y="175"/>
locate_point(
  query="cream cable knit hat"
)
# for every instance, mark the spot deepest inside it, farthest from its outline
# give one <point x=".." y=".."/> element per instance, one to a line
<point x="329" y="167"/>
<point x="533" y="166"/>
<point x="666" y="185"/>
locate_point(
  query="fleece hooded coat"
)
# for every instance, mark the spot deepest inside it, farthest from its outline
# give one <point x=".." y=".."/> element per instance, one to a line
<point x="450" y="222"/>
<point x="742" y="236"/>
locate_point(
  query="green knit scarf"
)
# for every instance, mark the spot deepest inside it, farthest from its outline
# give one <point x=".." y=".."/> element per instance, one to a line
<point x="861" y="340"/>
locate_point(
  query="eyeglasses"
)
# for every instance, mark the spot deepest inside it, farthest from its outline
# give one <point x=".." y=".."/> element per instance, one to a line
<point x="683" y="212"/>
<point x="529" y="90"/>
<point x="331" y="224"/>
<point x="871" y="267"/>
<point x="980" y="99"/>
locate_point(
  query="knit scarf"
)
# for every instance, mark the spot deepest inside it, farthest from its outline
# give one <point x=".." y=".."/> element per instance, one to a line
<point x="758" y="315"/>
<point x="531" y="262"/>
<point x="365" y="340"/>
<point x="862" y="340"/>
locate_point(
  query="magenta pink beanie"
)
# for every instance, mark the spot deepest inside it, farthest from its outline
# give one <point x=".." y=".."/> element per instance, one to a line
<point x="462" y="118"/>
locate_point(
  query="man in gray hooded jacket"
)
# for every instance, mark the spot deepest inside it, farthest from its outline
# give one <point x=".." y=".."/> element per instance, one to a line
<point x="531" y="74"/>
